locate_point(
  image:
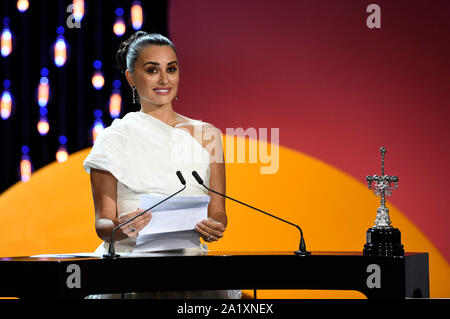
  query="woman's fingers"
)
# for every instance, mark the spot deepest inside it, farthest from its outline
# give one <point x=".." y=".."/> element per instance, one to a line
<point x="134" y="227"/>
<point x="141" y="223"/>
<point x="212" y="227"/>
<point x="124" y="217"/>
<point x="210" y="230"/>
<point x="202" y="233"/>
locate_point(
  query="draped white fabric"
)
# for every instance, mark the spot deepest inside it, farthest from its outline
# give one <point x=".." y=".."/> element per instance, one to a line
<point x="144" y="153"/>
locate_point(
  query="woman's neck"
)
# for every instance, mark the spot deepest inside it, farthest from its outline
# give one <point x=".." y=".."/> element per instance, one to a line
<point x="164" y="113"/>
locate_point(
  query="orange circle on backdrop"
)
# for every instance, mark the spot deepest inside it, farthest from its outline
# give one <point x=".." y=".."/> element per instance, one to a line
<point x="53" y="212"/>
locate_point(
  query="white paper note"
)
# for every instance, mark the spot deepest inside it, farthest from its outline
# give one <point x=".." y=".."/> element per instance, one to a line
<point x="176" y="214"/>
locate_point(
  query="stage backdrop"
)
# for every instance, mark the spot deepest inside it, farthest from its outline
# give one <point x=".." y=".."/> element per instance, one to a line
<point x="335" y="90"/>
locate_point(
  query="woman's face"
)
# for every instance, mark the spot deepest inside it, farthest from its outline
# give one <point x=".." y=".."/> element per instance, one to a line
<point x="156" y="75"/>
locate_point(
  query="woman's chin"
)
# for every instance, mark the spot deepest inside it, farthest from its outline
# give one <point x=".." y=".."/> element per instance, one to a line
<point x="158" y="102"/>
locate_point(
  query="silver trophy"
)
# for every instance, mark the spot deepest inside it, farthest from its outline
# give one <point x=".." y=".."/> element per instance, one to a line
<point x="382" y="186"/>
<point x="383" y="239"/>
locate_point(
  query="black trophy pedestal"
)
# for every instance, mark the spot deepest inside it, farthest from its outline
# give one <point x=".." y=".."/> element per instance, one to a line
<point x="383" y="242"/>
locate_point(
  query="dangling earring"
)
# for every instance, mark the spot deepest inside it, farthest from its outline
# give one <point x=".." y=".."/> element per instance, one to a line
<point x="176" y="98"/>
<point x="134" y="94"/>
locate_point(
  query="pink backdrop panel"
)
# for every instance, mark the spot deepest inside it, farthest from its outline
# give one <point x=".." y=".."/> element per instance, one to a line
<point x="336" y="89"/>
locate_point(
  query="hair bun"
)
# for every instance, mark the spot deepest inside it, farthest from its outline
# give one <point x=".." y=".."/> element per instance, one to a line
<point x="121" y="54"/>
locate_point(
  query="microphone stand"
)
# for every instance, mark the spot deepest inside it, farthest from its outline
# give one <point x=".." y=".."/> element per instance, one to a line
<point x="302" y="246"/>
<point x="111" y="250"/>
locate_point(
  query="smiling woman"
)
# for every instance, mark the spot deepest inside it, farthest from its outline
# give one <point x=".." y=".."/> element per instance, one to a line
<point x="155" y="82"/>
<point x="134" y="156"/>
<point x="150" y="64"/>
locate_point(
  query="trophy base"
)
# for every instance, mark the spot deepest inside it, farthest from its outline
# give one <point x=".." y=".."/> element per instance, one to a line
<point x="383" y="241"/>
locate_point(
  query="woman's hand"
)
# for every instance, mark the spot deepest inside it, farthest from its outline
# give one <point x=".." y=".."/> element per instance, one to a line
<point x="210" y="230"/>
<point x="134" y="227"/>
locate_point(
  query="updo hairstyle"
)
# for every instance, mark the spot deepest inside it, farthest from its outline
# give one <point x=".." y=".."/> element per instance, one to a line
<point x="130" y="49"/>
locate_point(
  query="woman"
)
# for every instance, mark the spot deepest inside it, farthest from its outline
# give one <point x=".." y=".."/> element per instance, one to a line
<point x="139" y="154"/>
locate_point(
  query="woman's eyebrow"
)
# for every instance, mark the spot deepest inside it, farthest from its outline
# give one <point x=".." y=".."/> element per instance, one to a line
<point x="156" y="63"/>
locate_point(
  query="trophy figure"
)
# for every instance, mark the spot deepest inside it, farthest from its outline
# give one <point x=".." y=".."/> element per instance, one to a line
<point x="383" y="239"/>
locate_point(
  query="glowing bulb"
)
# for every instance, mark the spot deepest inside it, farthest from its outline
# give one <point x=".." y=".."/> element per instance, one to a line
<point x="115" y="102"/>
<point x="78" y="10"/>
<point x="61" y="154"/>
<point x="97" y="128"/>
<point x="22" y="5"/>
<point x="60" y="50"/>
<point x="5" y="105"/>
<point x="25" y="168"/>
<point x="43" y="126"/>
<point x="98" y="80"/>
<point x="136" y="15"/>
<point x="119" y="27"/>
<point x="43" y="91"/>
<point x="6" y="42"/>
<point x="98" y="124"/>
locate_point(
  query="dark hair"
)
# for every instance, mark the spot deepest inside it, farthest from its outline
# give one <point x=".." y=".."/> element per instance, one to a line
<point x="130" y="49"/>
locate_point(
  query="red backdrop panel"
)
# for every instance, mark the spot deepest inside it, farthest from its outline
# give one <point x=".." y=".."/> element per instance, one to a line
<point x="336" y="89"/>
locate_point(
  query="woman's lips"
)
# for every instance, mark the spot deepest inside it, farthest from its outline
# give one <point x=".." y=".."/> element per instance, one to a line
<point x="162" y="91"/>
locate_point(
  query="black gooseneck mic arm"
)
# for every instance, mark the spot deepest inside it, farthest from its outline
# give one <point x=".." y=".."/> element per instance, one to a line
<point x="302" y="246"/>
<point x="111" y="251"/>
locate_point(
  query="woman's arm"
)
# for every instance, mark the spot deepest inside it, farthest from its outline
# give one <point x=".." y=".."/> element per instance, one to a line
<point x="212" y="230"/>
<point x="104" y="193"/>
<point x="216" y="208"/>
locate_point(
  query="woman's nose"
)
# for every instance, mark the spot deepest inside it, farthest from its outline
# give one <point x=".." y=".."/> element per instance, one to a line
<point x="162" y="78"/>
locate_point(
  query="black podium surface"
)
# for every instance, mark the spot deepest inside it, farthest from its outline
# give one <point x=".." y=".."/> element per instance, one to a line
<point x="76" y="276"/>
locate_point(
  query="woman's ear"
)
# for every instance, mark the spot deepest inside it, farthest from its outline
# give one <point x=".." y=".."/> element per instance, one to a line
<point x="129" y="78"/>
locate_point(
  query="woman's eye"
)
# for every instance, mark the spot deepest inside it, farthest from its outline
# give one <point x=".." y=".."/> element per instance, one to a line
<point x="152" y="70"/>
<point x="172" y="69"/>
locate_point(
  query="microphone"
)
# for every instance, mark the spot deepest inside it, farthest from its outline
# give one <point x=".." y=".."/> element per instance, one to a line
<point x="111" y="251"/>
<point x="302" y="246"/>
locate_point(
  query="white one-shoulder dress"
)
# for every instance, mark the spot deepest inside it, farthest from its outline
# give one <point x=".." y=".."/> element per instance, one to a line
<point x="144" y="154"/>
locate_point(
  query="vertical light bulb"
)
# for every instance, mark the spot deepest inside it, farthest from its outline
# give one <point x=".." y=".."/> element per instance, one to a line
<point x="6" y="101"/>
<point x="119" y="27"/>
<point x="98" y="80"/>
<point x="5" y="105"/>
<point x="25" y="165"/>
<point x="60" y="51"/>
<point x="43" y="91"/>
<point x="25" y="168"/>
<point x="97" y="128"/>
<point x="6" y="42"/>
<point x="61" y="154"/>
<point x="78" y="10"/>
<point x="43" y="126"/>
<point x="98" y="125"/>
<point x="136" y="15"/>
<point x="115" y="103"/>
<point x="115" y="100"/>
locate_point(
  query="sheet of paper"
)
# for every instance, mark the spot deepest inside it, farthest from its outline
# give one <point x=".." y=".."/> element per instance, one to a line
<point x="176" y="214"/>
<point x="166" y="241"/>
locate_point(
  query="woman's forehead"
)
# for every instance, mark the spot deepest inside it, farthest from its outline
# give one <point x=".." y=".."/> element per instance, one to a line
<point x="160" y="54"/>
